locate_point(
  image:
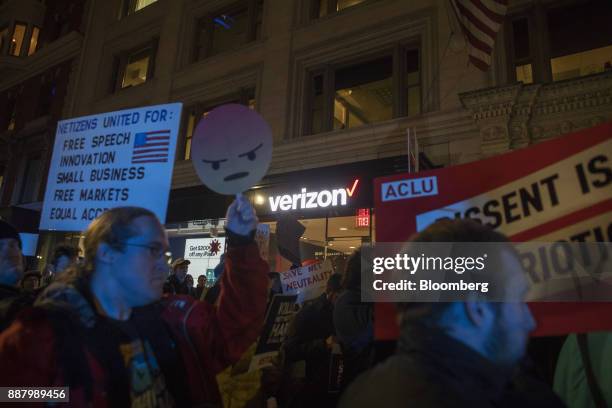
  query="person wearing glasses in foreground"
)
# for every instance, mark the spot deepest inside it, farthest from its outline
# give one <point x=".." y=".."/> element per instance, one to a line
<point x="104" y="331"/>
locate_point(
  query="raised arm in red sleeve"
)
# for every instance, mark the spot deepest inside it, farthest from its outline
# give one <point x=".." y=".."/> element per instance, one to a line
<point x="237" y="319"/>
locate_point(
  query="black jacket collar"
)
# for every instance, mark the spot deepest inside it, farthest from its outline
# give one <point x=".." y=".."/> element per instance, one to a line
<point x="435" y="348"/>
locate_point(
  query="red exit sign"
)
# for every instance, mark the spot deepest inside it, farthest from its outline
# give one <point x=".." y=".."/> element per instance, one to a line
<point x="362" y="218"/>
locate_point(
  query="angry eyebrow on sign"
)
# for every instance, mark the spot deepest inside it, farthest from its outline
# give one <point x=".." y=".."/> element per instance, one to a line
<point x="251" y="153"/>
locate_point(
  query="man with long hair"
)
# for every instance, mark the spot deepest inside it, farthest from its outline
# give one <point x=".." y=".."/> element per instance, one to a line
<point x="103" y="330"/>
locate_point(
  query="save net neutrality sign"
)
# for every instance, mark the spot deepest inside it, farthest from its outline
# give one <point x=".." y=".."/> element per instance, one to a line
<point x="113" y="159"/>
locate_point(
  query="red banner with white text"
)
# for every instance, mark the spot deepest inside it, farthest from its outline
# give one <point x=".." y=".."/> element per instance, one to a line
<point x="559" y="189"/>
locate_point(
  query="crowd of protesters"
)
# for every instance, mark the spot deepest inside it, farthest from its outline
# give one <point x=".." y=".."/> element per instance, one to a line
<point x="121" y="328"/>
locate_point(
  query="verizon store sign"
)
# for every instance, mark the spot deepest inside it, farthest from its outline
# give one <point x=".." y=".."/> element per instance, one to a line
<point x="305" y="199"/>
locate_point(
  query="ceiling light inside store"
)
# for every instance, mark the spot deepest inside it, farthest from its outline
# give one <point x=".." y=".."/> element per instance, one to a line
<point x="351" y="247"/>
<point x="259" y="200"/>
<point x="343" y="229"/>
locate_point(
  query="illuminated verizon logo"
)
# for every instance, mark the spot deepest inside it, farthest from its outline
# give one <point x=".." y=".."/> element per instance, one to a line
<point x="312" y="199"/>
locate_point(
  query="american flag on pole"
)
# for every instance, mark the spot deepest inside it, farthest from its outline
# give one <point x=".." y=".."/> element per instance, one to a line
<point x="480" y="21"/>
<point x="151" y="147"/>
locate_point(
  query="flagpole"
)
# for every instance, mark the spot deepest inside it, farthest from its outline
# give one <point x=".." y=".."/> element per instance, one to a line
<point x="408" y="149"/>
<point x="437" y="71"/>
<point x="416" y="151"/>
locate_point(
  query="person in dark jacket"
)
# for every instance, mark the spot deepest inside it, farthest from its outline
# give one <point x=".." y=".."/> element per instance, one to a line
<point x="310" y="338"/>
<point x="353" y="322"/>
<point x="190" y="288"/>
<point x="11" y="259"/>
<point x="12" y="299"/>
<point x="105" y="332"/>
<point x="177" y="283"/>
<point x="462" y="353"/>
<point x="200" y="290"/>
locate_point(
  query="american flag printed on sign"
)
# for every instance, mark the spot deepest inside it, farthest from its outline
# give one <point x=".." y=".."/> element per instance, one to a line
<point x="480" y="21"/>
<point x="151" y="147"/>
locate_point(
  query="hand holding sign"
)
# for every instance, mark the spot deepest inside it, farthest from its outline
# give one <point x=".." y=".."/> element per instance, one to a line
<point x="232" y="149"/>
<point x="241" y="218"/>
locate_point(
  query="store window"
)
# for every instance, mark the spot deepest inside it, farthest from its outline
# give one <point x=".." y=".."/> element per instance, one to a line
<point x="33" y="40"/>
<point x="245" y="96"/>
<point x="201" y="241"/>
<point x="322" y="8"/>
<point x="365" y="92"/>
<point x="331" y="237"/>
<point x="228" y="28"/>
<point x="17" y="40"/>
<point x="523" y="59"/>
<point x="132" y="6"/>
<point x="135" y="67"/>
<point x="576" y="49"/>
<point x="328" y="237"/>
<point x="558" y="43"/>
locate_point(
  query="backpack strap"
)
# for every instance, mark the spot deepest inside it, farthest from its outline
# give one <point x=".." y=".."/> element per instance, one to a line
<point x="596" y="393"/>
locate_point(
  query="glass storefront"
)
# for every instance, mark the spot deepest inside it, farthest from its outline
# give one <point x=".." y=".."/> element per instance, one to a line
<point x="334" y="205"/>
<point x="333" y="237"/>
<point x="202" y="242"/>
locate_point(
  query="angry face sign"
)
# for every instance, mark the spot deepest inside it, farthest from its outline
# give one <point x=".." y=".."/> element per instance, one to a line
<point x="231" y="149"/>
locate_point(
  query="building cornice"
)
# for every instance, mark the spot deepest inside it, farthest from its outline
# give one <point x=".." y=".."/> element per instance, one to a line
<point x="518" y="115"/>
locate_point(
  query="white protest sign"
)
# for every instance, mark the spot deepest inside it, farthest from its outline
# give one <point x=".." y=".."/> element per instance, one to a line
<point x="114" y="159"/>
<point x="231" y="149"/>
<point x="204" y="254"/>
<point x="308" y="282"/>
